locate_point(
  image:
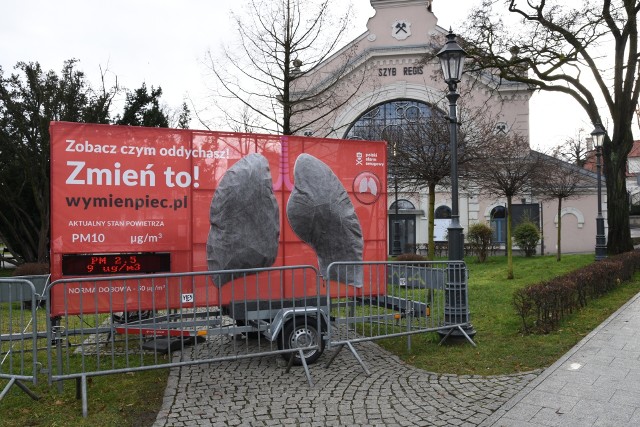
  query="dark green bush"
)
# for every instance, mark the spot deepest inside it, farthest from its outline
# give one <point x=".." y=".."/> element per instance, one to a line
<point x="527" y="236"/>
<point x="542" y="306"/>
<point x="31" y="269"/>
<point x="479" y="236"/>
<point x="410" y="257"/>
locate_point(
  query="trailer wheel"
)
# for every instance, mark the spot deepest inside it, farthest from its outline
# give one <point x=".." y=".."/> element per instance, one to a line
<point x="299" y="333"/>
<point x="131" y="316"/>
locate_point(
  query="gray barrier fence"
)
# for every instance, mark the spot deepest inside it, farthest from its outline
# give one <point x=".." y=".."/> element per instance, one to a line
<point x="106" y="325"/>
<point x="19" y="334"/>
<point x="258" y="312"/>
<point x="375" y="300"/>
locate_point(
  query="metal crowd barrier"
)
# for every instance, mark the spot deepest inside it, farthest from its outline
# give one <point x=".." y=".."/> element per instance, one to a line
<point x="258" y="312"/>
<point x="19" y="334"/>
<point x="394" y="299"/>
<point x="107" y="325"/>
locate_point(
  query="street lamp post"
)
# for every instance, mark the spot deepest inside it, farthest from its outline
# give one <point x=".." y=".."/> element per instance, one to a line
<point x="396" y="249"/>
<point x="601" y="243"/>
<point x="456" y="311"/>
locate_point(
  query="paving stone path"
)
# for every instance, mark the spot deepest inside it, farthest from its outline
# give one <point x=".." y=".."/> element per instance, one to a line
<point x="259" y="392"/>
<point x="596" y="383"/>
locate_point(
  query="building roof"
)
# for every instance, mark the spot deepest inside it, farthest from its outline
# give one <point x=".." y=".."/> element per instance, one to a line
<point x="588" y="173"/>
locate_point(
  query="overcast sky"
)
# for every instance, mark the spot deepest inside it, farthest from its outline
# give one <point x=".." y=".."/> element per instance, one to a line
<point x="163" y="43"/>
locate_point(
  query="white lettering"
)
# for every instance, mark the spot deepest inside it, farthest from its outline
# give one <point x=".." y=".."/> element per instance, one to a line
<point x="95" y="176"/>
<point x="87" y="147"/>
<point x="72" y="177"/>
<point x="138" y="151"/>
<point x="195" y="153"/>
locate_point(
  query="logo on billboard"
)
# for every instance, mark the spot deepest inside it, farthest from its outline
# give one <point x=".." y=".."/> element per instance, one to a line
<point x="366" y="187"/>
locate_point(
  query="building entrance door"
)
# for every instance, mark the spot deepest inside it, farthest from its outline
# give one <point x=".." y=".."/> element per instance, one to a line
<point x="402" y="233"/>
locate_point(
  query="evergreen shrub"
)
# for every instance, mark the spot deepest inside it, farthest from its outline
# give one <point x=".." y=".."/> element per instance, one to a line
<point x="527" y="236"/>
<point x="479" y="236"/>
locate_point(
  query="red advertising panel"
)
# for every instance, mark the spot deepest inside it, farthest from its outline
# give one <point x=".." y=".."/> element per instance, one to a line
<point x="131" y="200"/>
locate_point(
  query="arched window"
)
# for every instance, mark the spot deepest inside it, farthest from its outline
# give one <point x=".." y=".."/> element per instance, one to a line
<point x="499" y="224"/>
<point x="371" y="124"/>
<point x="441" y="223"/>
<point x="443" y="212"/>
<point x="402" y="205"/>
<point x="499" y="212"/>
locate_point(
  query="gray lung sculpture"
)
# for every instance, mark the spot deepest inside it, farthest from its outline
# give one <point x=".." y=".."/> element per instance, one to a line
<point x="245" y="224"/>
<point x="321" y="214"/>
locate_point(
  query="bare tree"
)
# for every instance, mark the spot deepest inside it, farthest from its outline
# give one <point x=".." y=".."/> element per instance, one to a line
<point x="557" y="180"/>
<point x="420" y="153"/>
<point x="505" y="168"/>
<point x="178" y="118"/>
<point x="575" y="149"/>
<point x="280" y="44"/>
<point x="552" y="49"/>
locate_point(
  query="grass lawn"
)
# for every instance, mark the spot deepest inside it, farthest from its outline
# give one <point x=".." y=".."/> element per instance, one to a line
<point x="114" y="400"/>
<point x="134" y="399"/>
<point x="502" y="349"/>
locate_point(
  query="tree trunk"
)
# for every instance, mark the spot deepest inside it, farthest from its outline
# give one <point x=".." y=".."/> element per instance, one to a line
<point x="559" y="250"/>
<point x="509" y="243"/>
<point x="431" y="253"/>
<point x="286" y="78"/>
<point x="43" y="239"/>
<point x="617" y="207"/>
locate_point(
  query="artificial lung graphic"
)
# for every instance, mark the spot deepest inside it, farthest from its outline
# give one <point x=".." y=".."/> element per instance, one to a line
<point x="244" y="218"/>
<point x="368" y="185"/>
<point x="364" y="186"/>
<point x="322" y="215"/>
<point x="373" y="187"/>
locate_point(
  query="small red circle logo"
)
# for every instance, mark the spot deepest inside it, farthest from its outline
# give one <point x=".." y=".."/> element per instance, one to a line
<point x="367" y="188"/>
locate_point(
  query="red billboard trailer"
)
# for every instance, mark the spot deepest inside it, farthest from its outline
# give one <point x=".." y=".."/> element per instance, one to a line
<point x="132" y="200"/>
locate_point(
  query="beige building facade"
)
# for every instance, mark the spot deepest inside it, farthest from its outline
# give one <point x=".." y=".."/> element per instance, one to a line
<point x="387" y="80"/>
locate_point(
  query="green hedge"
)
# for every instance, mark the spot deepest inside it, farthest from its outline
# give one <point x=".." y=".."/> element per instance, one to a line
<point x="543" y="305"/>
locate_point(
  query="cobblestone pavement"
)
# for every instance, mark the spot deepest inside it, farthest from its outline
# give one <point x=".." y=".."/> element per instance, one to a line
<point x="259" y="392"/>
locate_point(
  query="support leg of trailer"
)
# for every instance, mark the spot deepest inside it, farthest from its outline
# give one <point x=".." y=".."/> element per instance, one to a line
<point x="7" y="387"/>
<point x="409" y="330"/>
<point x="304" y="365"/>
<point x="85" y="409"/>
<point x="335" y="354"/>
<point x="306" y="368"/>
<point x="58" y="343"/>
<point x="22" y="387"/>
<point x="357" y="356"/>
<point x="461" y="329"/>
<point x="289" y="363"/>
<point x="444" y="338"/>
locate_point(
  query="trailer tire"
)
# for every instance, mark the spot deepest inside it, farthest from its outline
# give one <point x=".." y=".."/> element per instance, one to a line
<point x="300" y="333"/>
<point x="131" y="316"/>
